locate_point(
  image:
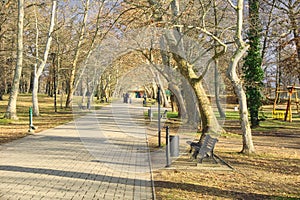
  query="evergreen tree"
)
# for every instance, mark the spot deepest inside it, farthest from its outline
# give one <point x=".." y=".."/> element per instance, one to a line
<point x="253" y="73"/>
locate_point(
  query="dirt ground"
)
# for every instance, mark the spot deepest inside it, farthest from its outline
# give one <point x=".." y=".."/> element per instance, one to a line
<point x="272" y="173"/>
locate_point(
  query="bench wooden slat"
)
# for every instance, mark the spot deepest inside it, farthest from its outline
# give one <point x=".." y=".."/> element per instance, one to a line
<point x="205" y="149"/>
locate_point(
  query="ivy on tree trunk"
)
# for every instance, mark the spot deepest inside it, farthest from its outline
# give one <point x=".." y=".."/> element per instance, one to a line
<point x="253" y="73"/>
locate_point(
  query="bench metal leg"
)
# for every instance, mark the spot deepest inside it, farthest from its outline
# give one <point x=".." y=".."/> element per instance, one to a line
<point x="214" y="159"/>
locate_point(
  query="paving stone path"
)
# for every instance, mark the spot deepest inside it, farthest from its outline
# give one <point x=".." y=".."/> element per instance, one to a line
<point x="103" y="155"/>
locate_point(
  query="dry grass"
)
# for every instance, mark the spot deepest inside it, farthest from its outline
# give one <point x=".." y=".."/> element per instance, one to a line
<point x="272" y="173"/>
<point x="13" y="129"/>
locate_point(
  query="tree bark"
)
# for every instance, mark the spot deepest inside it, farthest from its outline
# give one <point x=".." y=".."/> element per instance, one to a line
<point x="11" y="111"/>
<point x="192" y="107"/>
<point x="294" y="17"/>
<point x="242" y="47"/>
<point x="248" y="146"/>
<point x="176" y="91"/>
<point x="38" y="70"/>
<point x="208" y="118"/>
<point x="209" y="121"/>
<point x="71" y="85"/>
<point x="296" y="35"/>
<point x="216" y="61"/>
<point x="164" y="98"/>
<point x="217" y="91"/>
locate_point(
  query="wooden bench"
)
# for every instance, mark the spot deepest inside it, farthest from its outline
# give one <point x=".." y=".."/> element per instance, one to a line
<point x="204" y="149"/>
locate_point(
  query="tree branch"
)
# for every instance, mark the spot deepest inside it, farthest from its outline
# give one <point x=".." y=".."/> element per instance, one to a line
<point x="232" y="5"/>
<point x="208" y="33"/>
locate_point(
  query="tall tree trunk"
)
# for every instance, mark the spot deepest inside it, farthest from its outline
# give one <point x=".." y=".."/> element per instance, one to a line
<point x="166" y="62"/>
<point x="209" y="121"/>
<point x="154" y="90"/>
<point x="11" y="111"/>
<point x="242" y="47"/>
<point x="217" y="91"/>
<point x="296" y="35"/>
<point x="278" y="73"/>
<point x="216" y="70"/>
<point x="163" y="92"/>
<point x="39" y="69"/>
<point x="163" y="97"/>
<point x="252" y="68"/>
<point x="176" y="91"/>
<point x="71" y="85"/>
<point x="91" y="47"/>
<point x="91" y="90"/>
<point x="208" y="118"/>
<point x="192" y="107"/>
<point x="85" y="90"/>
<point x="294" y="17"/>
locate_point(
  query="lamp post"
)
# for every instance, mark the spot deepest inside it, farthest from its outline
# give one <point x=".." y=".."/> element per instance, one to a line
<point x="53" y="55"/>
<point x="158" y="117"/>
<point x="168" y="147"/>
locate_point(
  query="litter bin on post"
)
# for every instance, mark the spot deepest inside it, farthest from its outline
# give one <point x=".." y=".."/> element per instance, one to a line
<point x="174" y="145"/>
<point x="150" y="115"/>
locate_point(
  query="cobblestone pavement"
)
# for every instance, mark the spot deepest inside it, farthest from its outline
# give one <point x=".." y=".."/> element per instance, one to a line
<point x="103" y="155"/>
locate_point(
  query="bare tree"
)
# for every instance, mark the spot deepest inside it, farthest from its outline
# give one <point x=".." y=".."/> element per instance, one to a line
<point x="7" y="44"/>
<point x="38" y="68"/>
<point x="281" y="38"/>
<point x="216" y="63"/>
<point x="11" y="111"/>
<point x="241" y="49"/>
<point x="71" y="86"/>
<point x="187" y="69"/>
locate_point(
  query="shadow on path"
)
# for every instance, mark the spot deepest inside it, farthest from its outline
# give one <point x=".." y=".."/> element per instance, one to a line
<point x="76" y="175"/>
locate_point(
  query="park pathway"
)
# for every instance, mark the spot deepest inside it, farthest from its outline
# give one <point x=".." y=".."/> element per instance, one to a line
<point x="103" y="155"/>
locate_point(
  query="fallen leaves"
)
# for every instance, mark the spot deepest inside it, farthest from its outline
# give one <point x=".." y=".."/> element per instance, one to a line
<point x="272" y="173"/>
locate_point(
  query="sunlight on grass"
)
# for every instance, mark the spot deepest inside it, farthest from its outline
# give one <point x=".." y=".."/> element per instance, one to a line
<point x="13" y="129"/>
<point x="272" y="124"/>
<point x="232" y="115"/>
<point x="231" y="135"/>
<point x="172" y="114"/>
<point x="4" y="121"/>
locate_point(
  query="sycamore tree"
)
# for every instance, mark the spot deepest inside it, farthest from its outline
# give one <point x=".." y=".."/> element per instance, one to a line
<point x="184" y="21"/>
<point x="40" y="65"/>
<point x="97" y="19"/>
<point x="11" y="111"/>
<point x="77" y="52"/>
<point x="241" y="49"/>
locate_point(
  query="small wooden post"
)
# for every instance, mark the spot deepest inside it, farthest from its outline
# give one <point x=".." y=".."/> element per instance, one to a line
<point x="288" y="111"/>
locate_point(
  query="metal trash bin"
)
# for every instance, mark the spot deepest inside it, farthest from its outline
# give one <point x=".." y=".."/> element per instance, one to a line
<point x="150" y="113"/>
<point x="174" y="145"/>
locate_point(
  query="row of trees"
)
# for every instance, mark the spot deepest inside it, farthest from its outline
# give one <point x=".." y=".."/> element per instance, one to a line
<point x="56" y="47"/>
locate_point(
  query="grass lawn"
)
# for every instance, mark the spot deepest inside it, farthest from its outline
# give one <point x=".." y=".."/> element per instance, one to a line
<point x="13" y="129"/>
<point x="272" y="173"/>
